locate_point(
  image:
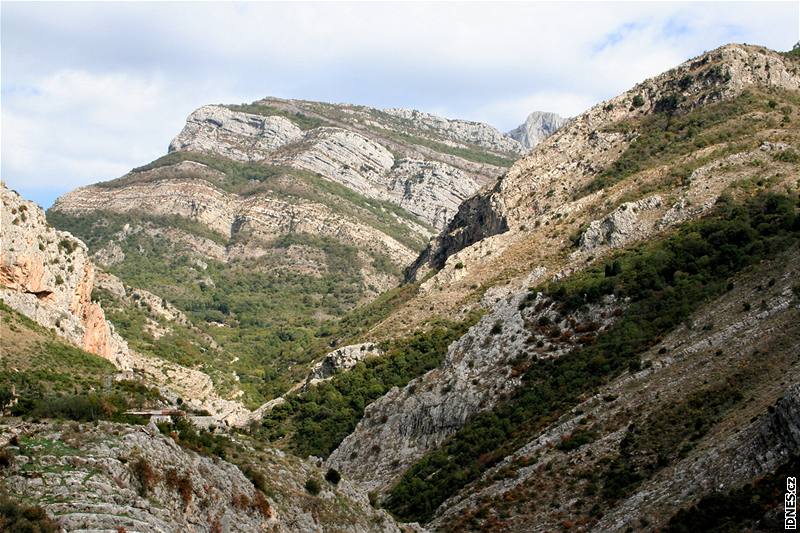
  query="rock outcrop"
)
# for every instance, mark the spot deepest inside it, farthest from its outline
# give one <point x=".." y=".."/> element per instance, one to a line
<point x="239" y="136"/>
<point x="479" y="369"/>
<point x="559" y="169"/>
<point x="621" y="226"/>
<point x="115" y="477"/>
<point x="47" y="275"/>
<point x="537" y="127"/>
<point x="341" y="360"/>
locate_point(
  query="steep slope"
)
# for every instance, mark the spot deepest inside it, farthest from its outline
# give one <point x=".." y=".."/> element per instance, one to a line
<point x="267" y="222"/>
<point x="47" y="276"/>
<point x="715" y="407"/>
<point x="537" y="127"/>
<point x="639" y="167"/>
<point x="119" y="477"/>
<point x="666" y="136"/>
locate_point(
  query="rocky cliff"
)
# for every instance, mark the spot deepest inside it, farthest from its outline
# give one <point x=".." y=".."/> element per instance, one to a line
<point x="424" y="163"/>
<point x="627" y="170"/>
<point x="47" y="275"/>
<point x="317" y="206"/>
<point x="537" y="127"/>
<point x="555" y="182"/>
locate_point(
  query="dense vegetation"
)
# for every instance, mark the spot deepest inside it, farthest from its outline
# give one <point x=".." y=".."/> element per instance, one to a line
<point x="666" y="136"/>
<point x="42" y="376"/>
<point x="317" y="420"/>
<point x="268" y="316"/>
<point x="755" y="506"/>
<point x="22" y="518"/>
<point x="664" y="280"/>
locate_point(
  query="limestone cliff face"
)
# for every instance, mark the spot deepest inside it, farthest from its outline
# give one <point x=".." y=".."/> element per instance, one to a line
<point x="47" y="275"/>
<point x="239" y="136"/>
<point x="537" y="127"/>
<point x="426" y="164"/>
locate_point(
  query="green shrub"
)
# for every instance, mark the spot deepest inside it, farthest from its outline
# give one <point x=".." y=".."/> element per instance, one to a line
<point x="181" y="483"/>
<point x="576" y="439"/>
<point x="637" y="101"/>
<point x="18" y="517"/>
<point x="143" y="472"/>
<point x="312" y="486"/>
<point x="256" y="477"/>
<point x="333" y="476"/>
<point x="6" y="458"/>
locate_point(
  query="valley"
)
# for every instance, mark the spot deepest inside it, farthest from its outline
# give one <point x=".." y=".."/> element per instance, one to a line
<point x="387" y="320"/>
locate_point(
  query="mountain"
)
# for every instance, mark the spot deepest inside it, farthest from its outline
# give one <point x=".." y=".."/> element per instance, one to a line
<point x="554" y="253"/>
<point x="62" y="359"/>
<point x="601" y="336"/>
<point x="268" y="221"/>
<point x="537" y="127"/>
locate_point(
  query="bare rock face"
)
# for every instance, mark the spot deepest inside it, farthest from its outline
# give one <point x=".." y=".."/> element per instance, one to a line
<point x="360" y="148"/>
<point x="479" y="369"/>
<point x="619" y="227"/>
<point x="342" y="359"/>
<point x="432" y="190"/>
<point x="47" y="275"/>
<point x="235" y="135"/>
<point x="537" y="127"/>
<point x="463" y="131"/>
<point x="348" y="158"/>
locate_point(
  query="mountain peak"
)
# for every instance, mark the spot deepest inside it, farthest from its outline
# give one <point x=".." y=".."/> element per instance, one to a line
<point x="538" y="126"/>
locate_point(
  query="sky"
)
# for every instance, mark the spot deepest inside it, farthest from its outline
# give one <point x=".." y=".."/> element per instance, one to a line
<point x="90" y="90"/>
